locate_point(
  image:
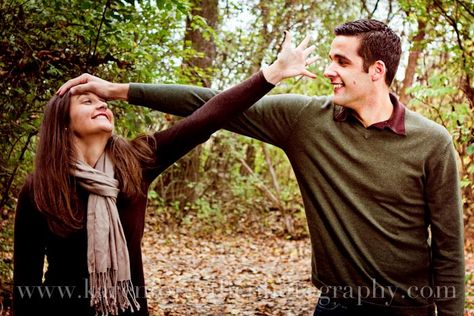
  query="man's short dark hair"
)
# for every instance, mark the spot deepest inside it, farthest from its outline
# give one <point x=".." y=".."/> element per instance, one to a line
<point x="378" y="42"/>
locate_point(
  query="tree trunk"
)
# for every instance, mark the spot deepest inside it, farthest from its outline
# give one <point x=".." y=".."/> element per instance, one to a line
<point x="209" y="10"/>
<point x="415" y="54"/>
<point x="179" y="181"/>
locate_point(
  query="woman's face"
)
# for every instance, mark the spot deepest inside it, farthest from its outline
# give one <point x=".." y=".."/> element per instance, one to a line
<point x="90" y="116"/>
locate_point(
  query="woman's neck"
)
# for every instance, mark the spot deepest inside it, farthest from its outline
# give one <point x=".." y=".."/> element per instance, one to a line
<point x="90" y="151"/>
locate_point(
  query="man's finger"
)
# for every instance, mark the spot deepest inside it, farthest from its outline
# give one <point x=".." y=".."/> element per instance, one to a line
<point x="304" y="43"/>
<point x="309" y="50"/>
<point x="84" y="78"/>
<point x="82" y="88"/>
<point x="70" y="83"/>
<point x="311" y="60"/>
<point x="308" y="74"/>
<point x="287" y="41"/>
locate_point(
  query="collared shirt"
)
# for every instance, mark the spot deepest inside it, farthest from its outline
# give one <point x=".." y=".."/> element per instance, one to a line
<point x="396" y="122"/>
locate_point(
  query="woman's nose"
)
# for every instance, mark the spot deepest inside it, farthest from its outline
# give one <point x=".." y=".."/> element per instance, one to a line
<point x="102" y="105"/>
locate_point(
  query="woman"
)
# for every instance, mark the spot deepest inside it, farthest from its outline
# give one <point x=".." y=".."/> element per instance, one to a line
<point x="83" y="208"/>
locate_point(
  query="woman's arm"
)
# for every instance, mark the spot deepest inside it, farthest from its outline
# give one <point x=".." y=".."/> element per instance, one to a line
<point x="29" y="251"/>
<point x="173" y="143"/>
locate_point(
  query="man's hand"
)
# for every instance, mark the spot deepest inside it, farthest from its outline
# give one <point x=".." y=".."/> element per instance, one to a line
<point x="102" y="88"/>
<point x="291" y="61"/>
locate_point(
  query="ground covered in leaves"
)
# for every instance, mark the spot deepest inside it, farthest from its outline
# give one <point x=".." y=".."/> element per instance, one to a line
<point x="233" y="275"/>
<point x="236" y="275"/>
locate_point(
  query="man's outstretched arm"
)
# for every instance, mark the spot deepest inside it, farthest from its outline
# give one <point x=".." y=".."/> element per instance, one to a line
<point x="271" y="120"/>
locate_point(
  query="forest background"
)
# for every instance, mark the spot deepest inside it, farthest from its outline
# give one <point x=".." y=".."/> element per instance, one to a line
<point x="231" y="184"/>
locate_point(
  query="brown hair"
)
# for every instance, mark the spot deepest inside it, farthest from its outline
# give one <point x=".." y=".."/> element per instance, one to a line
<point x="53" y="185"/>
<point x="378" y="42"/>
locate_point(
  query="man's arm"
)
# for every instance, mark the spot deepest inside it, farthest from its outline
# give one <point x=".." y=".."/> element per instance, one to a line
<point x="445" y="207"/>
<point x="271" y="120"/>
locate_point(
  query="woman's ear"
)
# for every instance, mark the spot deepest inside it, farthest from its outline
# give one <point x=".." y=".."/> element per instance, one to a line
<point x="378" y="71"/>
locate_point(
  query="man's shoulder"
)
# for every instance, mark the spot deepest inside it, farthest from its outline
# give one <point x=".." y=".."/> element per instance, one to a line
<point x="295" y="103"/>
<point x="421" y="126"/>
<point x="302" y="98"/>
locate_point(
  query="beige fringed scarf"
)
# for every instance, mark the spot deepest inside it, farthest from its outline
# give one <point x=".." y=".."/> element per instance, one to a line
<point x="110" y="283"/>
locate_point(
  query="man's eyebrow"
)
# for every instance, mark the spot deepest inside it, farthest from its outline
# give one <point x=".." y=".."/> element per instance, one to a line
<point x="339" y="56"/>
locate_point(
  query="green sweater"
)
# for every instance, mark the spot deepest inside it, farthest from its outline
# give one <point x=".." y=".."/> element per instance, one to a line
<point x="370" y="197"/>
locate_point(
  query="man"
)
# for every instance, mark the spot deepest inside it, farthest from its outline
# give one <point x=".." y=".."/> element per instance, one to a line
<point x="379" y="182"/>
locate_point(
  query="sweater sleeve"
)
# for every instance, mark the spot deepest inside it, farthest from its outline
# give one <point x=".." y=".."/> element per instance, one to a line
<point x="444" y="203"/>
<point x="29" y="252"/>
<point x="270" y="120"/>
<point x="173" y="143"/>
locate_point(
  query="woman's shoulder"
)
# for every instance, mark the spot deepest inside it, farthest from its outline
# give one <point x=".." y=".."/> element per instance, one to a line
<point x="27" y="188"/>
<point x="26" y="196"/>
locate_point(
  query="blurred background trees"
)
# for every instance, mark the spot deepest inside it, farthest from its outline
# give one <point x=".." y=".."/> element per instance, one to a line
<point x="230" y="184"/>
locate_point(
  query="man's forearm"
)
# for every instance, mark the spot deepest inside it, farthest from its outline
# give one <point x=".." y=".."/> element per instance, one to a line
<point x="180" y="100"/>
<point x="120" y="91"/>
<point x="270" y="120"/>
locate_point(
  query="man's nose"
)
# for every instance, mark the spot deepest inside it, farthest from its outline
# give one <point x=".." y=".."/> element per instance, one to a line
<point x="329" y="72"/>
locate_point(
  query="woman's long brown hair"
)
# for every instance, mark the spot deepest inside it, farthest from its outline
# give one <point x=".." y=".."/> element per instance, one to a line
<point x="54" y="187"/>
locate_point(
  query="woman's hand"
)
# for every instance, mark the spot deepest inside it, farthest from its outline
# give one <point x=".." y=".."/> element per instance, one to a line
<point x="102" y="88"/>
<point x="291" y="61"/>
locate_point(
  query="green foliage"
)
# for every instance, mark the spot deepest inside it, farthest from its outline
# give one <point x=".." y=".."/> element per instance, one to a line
<point x="469" y="290"/>
<point x="6" y="260"/>
<point x="44" y="43"/>
<point x="254" y="30"/>
<point x="445" y="89"/>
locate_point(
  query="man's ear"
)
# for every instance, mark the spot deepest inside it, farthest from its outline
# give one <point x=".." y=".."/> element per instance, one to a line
<point x="378" y="70"/>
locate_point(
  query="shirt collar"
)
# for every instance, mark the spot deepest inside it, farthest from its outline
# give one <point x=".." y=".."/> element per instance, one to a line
<point x="396" y="122"/>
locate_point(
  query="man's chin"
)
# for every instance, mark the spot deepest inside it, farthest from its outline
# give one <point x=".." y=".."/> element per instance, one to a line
<point x="338" y="99"/>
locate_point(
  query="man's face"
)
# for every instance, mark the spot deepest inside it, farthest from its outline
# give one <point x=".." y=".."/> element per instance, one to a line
<point x="353" y="86"/>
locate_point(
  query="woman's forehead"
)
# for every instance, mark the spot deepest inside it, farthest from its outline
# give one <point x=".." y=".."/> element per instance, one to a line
<point x="86" y="94"/>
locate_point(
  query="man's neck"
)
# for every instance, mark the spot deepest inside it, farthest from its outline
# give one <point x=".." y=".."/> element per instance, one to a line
<point x="377" y="109"/>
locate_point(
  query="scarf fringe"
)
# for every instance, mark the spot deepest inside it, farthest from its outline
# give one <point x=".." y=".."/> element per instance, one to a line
<point x="108" y="294"/>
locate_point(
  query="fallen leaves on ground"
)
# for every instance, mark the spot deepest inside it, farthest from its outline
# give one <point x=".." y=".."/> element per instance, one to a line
<point x="470" y="284"/>
<point x="237" y="275"/>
